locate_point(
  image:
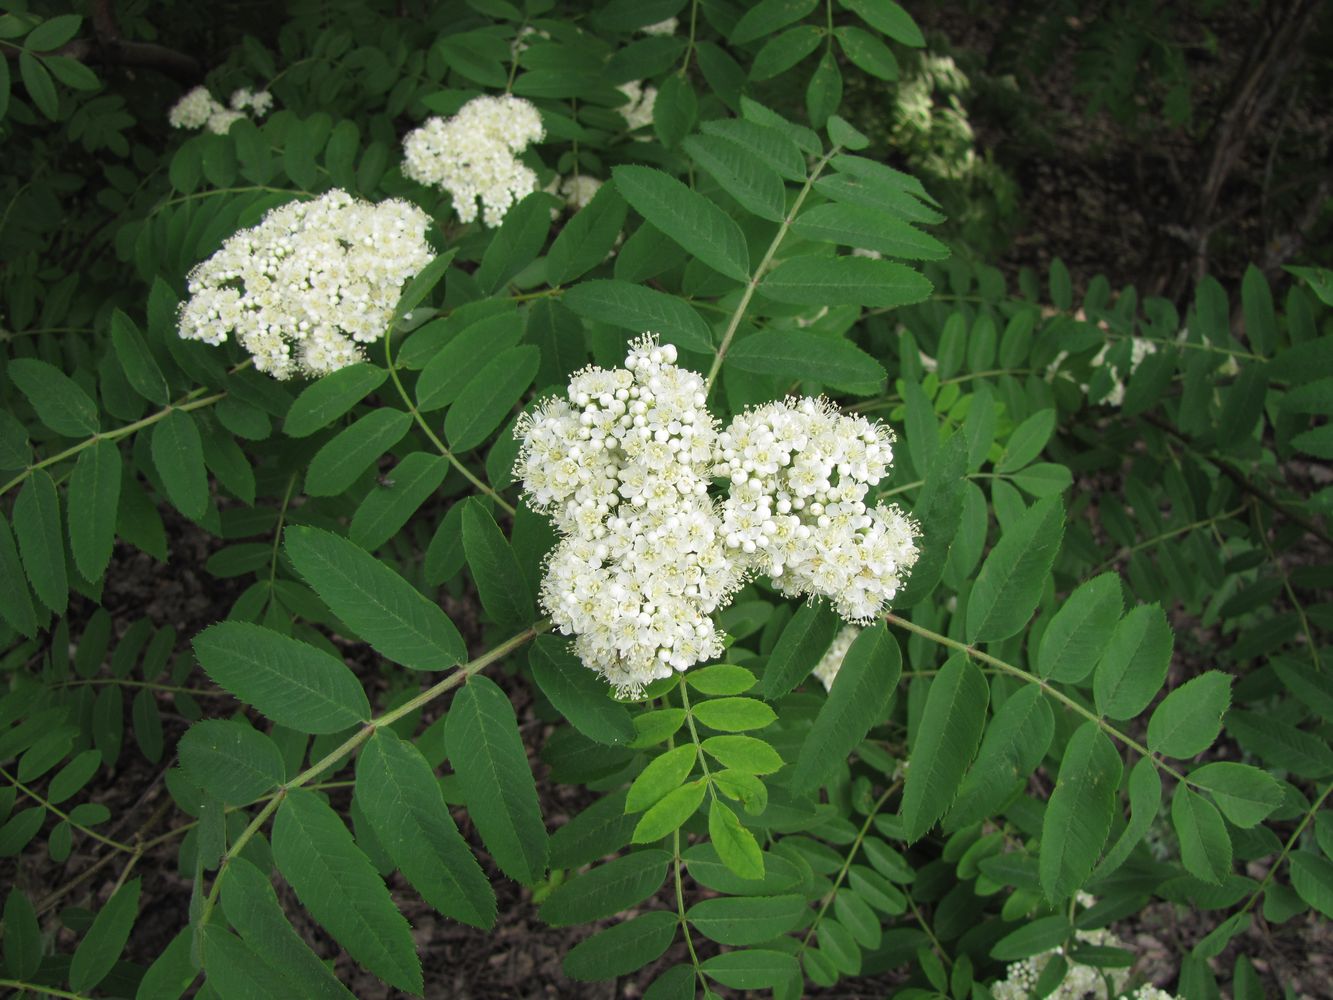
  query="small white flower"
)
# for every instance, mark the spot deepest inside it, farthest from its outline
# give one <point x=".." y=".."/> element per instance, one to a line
<point x="313" y="281"/>
<point x="667" y="27"/>
<point x="474" y="155"/>
<point x="222" y="119"/>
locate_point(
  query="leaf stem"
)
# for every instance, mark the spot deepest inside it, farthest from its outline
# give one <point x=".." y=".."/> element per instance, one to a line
<point x="41" y="990"/>
<point x="45" y="804"/>
<point x="1286" y="848"/>
<point x="680" y="912"/>
<point x="1046" y="688"/>
<point x="355" y="740"/>
<point x="440" y="446"/>
<point x="739" y="313"/>
<point x="847" y="864"/>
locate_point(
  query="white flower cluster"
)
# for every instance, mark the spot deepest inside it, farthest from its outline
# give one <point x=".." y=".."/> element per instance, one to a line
<point x="1081" y="982"/>
<point x="1152" y="993"/>
<point x="198" y="109"/>
<point x="638" y="108"/>
<point x="800" y="471"/>
<point x="309" y="284"/>
<point x="623" y="467"/>
<point x="826" y="670"/>
<point x="1140" y="348"/>
<point x="474" y="155"/>
<point x="578" y="190"/>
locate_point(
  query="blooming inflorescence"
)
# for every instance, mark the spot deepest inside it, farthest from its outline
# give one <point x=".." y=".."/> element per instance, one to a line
<point x="474" y="155"/>
<point x="309" y="284"/>
<point x="800" y="471"/>
<point x="624" y="466"/>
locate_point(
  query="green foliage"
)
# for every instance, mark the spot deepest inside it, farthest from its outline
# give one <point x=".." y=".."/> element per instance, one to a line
<point x="1004" y="740"/>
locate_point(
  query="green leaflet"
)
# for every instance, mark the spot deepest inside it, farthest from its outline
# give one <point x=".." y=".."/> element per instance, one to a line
<point x="486" y="401"/>
<point x="687" y="217"/>
<point x="622" y="948"/>
<point x="375" y="602"/>
<point x="1145" y="797"/>
<point x="230" y="760"/>
<point x="668" y="813"/>
<point x="105" y="940"/>
<point x="448" y="371"/>
<point x="1080" y="630"/>
<point x="578" y="693"/>
<point x="23" y="936"/>
<point x="601" y="829"/>
<point x="888" y="17"/>
<point x="391" y="504"/>
<point x="1189" y="718"/>
<point x="1015" y="743"/>
<point x="335" y="881"/>
<point x="1013" y="576"/>
<point x="141" y="368"/>
<point x="40" y="540"/>
<point x="858" y="701"/>
<point x="607" y="889"/>
<point x="1312" y="878"/>
<point x="740" y="173"/>
<point x="353" y="450"/>
<point x="768" y="143"/>
<point x="398" y="792"/>
<point x="94" y="495"/>
<point x="517" y="242"/>
<point x="867" y="52"/>
<point x="639" y="308"/>
<point x="588" y="238"/>
<point x="292" y="683"/>
<point x="328" y="398"/>
<point x="1281" y="745"/>
<point x="752" y="969"/>
<point x="739" y="920"/>
<point x="804" y="640"/>
<point x="59" y="401"/>
<point x="1078" y="816"/>
<point x="946" y="739"/>
<point x="1134" y="663"/>
<point x="939" y="511"/>
<point x="1245" y="794"/>
<point x="491" y="766"/>
<point x="857" y="281"/>
<point x="500" y="581"/>
<point x="178" y="456"/>
<point x="734" y="715"/>
<point x="251" y="906"/>
<point x="1205" y="845"/>
<point x="233" y="969"/>
<point x="867" y="228"/>
<point x="813" y="357"/>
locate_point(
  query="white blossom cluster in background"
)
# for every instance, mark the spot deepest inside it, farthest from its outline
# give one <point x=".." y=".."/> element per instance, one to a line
<point x="1140" y="348"/>
<point x="474" y="155"/>
<point x="826" y="670"/>
<point x="313" y="281"/>
<point x="1081" y="982"/>
<point x="795" y="512"/>
<point x="623" y="467"/>
<point x="638" y="108"/>
<point x="198" y="109"/>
